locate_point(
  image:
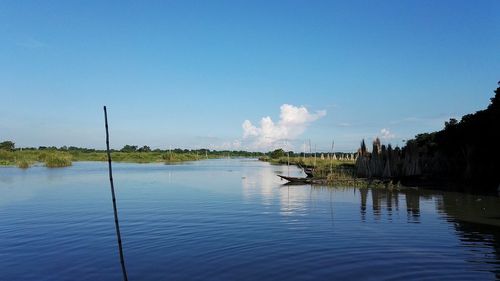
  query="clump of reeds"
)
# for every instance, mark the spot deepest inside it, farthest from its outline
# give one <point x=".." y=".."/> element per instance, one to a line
<point x="7" y="157"/>
<point x="23" y="163"/>
<point x="57" y="159"/>
<point x="179" y="157"/>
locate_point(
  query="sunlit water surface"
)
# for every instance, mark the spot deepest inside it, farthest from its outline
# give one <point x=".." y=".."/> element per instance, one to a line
<point x="235" y="220"/>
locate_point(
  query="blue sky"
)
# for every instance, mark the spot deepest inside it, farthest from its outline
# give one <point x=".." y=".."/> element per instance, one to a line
<point x="189" y="73"/>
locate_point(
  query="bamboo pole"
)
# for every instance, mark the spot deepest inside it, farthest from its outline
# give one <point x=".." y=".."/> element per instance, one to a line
<point x="117" y="225"/>
<point x="331" y="158"/>
<point x="288" y="157"/>
<point x="315" y="156"/>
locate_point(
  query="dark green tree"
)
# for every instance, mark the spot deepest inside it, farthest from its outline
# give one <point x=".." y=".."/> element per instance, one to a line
<point x="144" y="149"/>
<point x="277" y="153"/>
<point x="7" y="145"/>
<point x="449" y="124"/>
<point x="129" y="148"/>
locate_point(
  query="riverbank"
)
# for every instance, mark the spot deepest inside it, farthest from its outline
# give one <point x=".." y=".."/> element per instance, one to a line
<point x="332" y="172"/>
<point x="54" y="159"/>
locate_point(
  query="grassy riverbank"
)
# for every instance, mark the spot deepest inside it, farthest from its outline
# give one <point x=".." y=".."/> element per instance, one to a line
<point x="54" y="158"/>
<point x="25" y="159"/>
<point x="332" y="172"/>
<point x="322" y="167"/>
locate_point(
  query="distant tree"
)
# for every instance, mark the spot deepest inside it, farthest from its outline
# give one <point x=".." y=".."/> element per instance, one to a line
<point x="144" y="149"/>
<point x="277" y="153"/>
<point x="449" y="124"/>
<point x="495" y="101"/>
<point x="363" y="148"/>
<point x="129" y="148"/>
<point x="7" y="145"/>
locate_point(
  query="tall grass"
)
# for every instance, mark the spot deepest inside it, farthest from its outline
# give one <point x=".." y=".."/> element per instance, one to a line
<point x="23" y="163"/>
<point x="331" y="170"/>
<point x="7" y="157"/>
<point x="57" y="159"/>
<point x="54" y="158"/>
<point x="170" y="157"/>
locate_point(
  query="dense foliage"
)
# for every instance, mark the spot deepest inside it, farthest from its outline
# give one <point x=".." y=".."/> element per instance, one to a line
<point x="63" y="156"/>
<point x="464" y="150"/>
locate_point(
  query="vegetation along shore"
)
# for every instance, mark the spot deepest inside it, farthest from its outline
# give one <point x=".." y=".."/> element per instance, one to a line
<point x="462" y="154"/>
<point x="54" y="157"/>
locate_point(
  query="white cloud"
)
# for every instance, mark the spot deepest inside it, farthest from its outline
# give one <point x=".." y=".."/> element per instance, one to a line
<point x="227" y="145"/>
<point x="293" y="122"/>
<point x="385" y="134"/>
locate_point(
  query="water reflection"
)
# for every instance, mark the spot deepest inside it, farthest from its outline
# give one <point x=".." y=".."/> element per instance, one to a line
<point x="389" y="200"/>
<point x="261" y="183"/>
<point x="477" y="221"/>
<point x="235" y="220"/>
<point x="295" y="200"/>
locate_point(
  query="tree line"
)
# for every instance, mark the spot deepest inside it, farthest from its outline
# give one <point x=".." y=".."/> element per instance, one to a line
<point x="463" y="153"/>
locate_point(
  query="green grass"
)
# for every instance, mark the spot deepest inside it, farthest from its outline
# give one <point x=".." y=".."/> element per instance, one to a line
<point x="23" y="163"/>
<point x="54" y="159"/>
<point x="336" y="172"/>
<point x="25" y="159"/>
<point x="323" y="167"/>
<point x="7" y="158"/>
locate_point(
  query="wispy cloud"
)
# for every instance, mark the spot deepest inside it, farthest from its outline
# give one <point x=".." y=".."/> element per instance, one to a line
<point x="385" y="134"/>
<point x="293" y="122"/>
<point x="227" y="145"/>
<point x="31" y="43"/>
<point x="344" y="124"/>
<point x="437" y="119"/>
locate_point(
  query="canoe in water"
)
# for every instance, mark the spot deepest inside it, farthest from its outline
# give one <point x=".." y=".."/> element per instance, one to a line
<point x="296" y="180"/>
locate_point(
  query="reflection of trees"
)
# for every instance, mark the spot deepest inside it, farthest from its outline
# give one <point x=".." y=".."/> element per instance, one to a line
<point x="481" y="234"/>
<point x="390" y="199"/>
<point x="413" y="204"/>
<point x="376" y="198"/>
<point x="476" y="219"/>
<point x="364" y="195"/>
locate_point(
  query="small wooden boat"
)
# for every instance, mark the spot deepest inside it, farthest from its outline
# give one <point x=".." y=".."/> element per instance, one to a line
<point x="296" y="180"/>
<point x="309" y="171"/>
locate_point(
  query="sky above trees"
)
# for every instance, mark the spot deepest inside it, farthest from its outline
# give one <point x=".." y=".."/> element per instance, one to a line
<point x="242" y="74"/>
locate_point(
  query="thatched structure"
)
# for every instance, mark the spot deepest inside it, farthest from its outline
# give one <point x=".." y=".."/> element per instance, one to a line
<point x="386" y="162"/>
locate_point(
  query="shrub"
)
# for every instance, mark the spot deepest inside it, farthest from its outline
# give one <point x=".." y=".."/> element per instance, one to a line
<point x="23" y="163"/>
<point x="57" y="160"/>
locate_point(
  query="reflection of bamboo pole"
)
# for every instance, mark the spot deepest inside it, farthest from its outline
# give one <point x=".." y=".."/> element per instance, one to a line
<point x="117" y="226"/>
<point x="288" y="157"/>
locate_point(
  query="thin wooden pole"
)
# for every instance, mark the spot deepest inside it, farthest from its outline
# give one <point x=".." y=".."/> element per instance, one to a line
<point x="288" y="157"/>
<point x="315" y="156"/>
<point x="117" y="225"/>
<point x="331" y="158"/>
<point x="304" y="152"/>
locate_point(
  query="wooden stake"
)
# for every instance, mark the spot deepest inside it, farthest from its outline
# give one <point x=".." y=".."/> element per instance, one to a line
<point x="117" y="225"/>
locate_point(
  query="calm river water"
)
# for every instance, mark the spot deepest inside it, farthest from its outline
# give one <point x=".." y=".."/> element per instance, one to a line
<point x="235" y="220"/>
